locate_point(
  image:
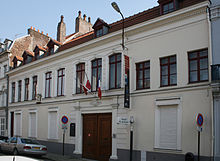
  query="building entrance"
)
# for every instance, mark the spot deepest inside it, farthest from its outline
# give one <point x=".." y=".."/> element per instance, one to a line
<point x="97" y="141"/>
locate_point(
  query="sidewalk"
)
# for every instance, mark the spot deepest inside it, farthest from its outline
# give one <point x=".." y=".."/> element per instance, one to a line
<point x="56" y="157"/>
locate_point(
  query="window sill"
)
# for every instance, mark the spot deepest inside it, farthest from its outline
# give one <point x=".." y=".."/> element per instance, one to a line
<point x="168" y="85"/>
<point x="167" y="150"/>
<point x="198" y="82"/>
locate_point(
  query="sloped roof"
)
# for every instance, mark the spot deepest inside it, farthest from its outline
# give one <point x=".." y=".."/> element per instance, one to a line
<point x="129" y="21"/>
<point x="28" y="53"/>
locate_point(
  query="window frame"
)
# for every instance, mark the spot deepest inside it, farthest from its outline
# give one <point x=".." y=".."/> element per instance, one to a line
<point x="19" y="90"/>
<point x="34" y="87"/>
<point x="198" y="58"/>
<point x="138" y="69"/>
<point x="13" y="92"/>
<point x="80" y="71"/>
<point x="169" y="10"/>
<point x="48" y="77"/>
<point x="62" y="77"/>
<point x="168" y="64"/>
<point x="26" y="89"/>
<point x="98" y="75"/>
<point x="115" y="63"/>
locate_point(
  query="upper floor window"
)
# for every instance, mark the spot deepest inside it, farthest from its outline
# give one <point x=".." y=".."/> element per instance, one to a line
<point x="19" y="90"/>
<point x="48" y="80"/>
<point x="13" y="92"/>
<point x="80" y="74"/>
<point x="115" y="71"/>
<point x="198" y="66"/>
<point x="168" y="7"/>
<point x="168" y="74"/>
<point x="34" y="88"/>
<point x="100" y="27"/>
<point x="143" y="75"/>
<point x="5" y="70"/>
<point x="60" y="82"/>
<point x="96" y="73"/>
<point x="26" y="90"/>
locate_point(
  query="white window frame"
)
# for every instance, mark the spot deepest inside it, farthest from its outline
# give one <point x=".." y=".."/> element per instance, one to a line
<point x="15" y="125"/>
<point x="160" y="103"/>
<point x="29" y="126"/>
<point x="4" y="125"/>
<point x="53" y="110"/>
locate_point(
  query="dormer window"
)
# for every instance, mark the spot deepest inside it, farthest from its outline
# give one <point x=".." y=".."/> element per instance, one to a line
<point x="39" y="52"/>
<point x="17" y="61"/>
<point x="100" y="27"/>
<point x="27" y="57"/>
<point x="53" y="45"/>
<point x="168" y="7"/>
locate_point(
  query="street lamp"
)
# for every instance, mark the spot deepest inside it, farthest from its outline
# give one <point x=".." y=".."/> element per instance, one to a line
<point x="115" y="6"/>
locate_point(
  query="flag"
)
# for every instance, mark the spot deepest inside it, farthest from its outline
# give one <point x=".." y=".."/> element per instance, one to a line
<point x="87" y="87"/>
<point x="99" y="89"/>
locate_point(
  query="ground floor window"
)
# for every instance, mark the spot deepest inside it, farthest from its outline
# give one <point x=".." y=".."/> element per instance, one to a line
<point x="18" y="125"/>
<point x="52" y="125"/>
<point x="32" y="124"/>
<point x="168" y="124"/>
<point x="2" y="126"/>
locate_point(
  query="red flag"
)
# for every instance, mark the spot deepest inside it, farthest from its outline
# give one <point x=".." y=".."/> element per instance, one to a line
<point x="99" y="89"/>
<point x="87" y="87"/>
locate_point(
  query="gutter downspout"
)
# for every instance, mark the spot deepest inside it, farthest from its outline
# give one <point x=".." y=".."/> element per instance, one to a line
<point x="209" y="19"/>
<point x="6" y="108"/>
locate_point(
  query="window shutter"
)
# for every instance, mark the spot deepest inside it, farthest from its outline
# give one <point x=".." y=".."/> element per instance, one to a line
<point x="168" y="127"/>
<point x="18" y="124"/>
<point x="33" y="124"/>
<point x="53" y="125"/>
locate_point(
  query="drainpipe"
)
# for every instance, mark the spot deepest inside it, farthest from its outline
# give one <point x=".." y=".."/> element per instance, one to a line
<point x="6" y="108"/>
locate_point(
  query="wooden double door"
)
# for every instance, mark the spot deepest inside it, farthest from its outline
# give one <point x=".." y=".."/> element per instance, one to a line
<point x="97" y="141"/>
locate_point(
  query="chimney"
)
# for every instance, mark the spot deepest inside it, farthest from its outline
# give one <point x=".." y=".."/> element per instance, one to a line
<point x="82" y="25"/>
<point x="61" y="30"/>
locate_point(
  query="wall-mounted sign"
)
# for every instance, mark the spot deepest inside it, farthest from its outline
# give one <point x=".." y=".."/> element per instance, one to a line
<point x="127" y="83"/>
<point x="123" y="120"/>
<point x="199" y="121"/>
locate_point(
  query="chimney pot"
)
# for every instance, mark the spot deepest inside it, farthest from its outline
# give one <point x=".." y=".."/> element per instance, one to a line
<point x="62" y="18"/>
<point x="47" y="34"/>
<point x="34" y="28"/>
<point x="42" y="32"/>
<point x="79" y="14"/>
<point x="38" y="30"/>
<point x="31" y="27"/>
<point x="89" y="19"/>
<point x="84" y="17"/>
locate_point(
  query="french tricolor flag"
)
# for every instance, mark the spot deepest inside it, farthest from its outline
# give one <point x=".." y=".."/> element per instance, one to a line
<point x="99" y="89"/>
<point x="87" y="87"/>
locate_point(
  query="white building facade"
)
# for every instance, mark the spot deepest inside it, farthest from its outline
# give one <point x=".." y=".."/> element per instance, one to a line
<point x="169" y="85"/>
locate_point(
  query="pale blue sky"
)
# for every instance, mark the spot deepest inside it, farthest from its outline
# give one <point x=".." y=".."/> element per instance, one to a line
<point x="18" y="16"/>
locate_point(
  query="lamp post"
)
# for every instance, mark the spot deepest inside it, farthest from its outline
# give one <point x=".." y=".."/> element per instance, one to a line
<point x="115" y="6"/>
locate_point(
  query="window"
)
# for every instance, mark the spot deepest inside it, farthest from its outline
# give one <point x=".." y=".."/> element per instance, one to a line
<point x="53" y="125"/>
<point x="26" y="90"/>
<point x="143" y="75"/>
<point x="34" y="88"/>
<point x="2" y="126"/>
<point x="96" y="73"/>
<point x="13" y="92"/>
<point x="168" y="71"/>
<point x="18" y="126"/>
<point x="32" y="124"/>
<point x="80" y="74"/>
<point x="168" y="7"/>
<point x="19" y="90"/>
<point x="99" y="32"/>
<point x="48" y="84"/>
<point x="198" y="66"/>
<point x="168" y="120"/>
<point x="5" y="70"/>
<point x="60" y="82"/>
<point x="115" y="71"/>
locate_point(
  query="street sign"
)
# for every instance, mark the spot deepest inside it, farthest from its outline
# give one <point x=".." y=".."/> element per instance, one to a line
<point x="64" y="120"/>
<point x="123" y="120"/>
<point x="199" y="120"/>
